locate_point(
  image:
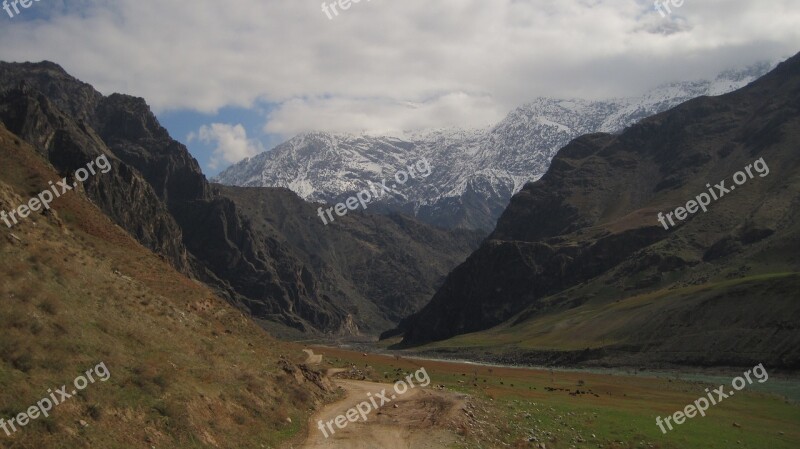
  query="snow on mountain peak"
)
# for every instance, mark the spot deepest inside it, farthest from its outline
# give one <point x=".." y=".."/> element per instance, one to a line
<point x="474" y="171"/>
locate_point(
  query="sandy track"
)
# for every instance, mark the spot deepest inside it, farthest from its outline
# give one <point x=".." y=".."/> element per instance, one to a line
<point x="313" y="359"/>
<point x="417" y="421"/>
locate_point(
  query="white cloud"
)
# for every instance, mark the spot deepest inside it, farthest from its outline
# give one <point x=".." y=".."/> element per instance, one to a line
<point x="458" y="61"/>
<point x="232" y="144"/>
<point x="369" y="115"/>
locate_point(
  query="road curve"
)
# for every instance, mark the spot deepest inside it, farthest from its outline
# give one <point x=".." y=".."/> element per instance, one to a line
<point x="415" y="419"/>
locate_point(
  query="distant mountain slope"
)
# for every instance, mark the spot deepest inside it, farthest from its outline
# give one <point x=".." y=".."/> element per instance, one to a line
<point x="587" y="235"/>
<point x="379" y="268"/>
<point x="184" y="368"/>
<point x="475" y="172"/>
<point x="158" y="194"/>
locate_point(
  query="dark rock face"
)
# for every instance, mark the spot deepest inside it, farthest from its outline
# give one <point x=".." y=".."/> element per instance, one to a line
<point x="504" y="277"/>
<point x="123" y="193"/>
<point x="136" y="137"/>
<point x="382" y="268"/>
<point x="592" y="219"/>
<point x="157" y="192"/>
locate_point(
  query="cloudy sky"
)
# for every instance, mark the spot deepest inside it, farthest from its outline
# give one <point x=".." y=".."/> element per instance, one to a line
<point x="233" y="78"/>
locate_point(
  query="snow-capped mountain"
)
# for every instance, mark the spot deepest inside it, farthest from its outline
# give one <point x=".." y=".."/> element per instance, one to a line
<point x="474" y="173"/>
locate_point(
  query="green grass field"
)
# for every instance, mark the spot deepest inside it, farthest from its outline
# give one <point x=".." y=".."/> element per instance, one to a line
<point x="599" y="322"/>
<point x="618" y="411"/>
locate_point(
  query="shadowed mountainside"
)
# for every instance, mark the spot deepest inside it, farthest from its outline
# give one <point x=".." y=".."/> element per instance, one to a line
<point x="158" y="194"/>
<point x="382" y="268"/>
<point x="586" y="237"/>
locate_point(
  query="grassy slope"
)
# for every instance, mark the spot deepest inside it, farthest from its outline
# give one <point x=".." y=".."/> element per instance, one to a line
<point x="187" y="370"/>
<point x="604" y="321"/>
<point x="622" y="415"/>
<point x="758" y="282"/>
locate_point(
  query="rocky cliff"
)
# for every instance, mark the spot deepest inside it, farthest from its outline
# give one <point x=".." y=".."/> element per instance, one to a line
<point x="588" y="233"/>
<point x="157" y="192"/>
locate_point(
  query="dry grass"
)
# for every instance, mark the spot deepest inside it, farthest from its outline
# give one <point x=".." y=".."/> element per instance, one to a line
<point x="187" y="370"/>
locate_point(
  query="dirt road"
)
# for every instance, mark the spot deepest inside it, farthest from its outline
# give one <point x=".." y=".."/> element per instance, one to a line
<point x="313" y="359"/>
<point x="416" y="419"/>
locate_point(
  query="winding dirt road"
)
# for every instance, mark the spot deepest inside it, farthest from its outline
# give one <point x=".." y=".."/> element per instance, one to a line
<point x="416" y="419"/>
<point x="313" y="359"/>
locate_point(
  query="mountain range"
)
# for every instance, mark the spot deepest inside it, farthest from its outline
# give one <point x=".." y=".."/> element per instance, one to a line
<point x="474" y="172"/>
<point x="264" y="250"/>
<point x="580" y="269"/>
<point x="577" y="269"/>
